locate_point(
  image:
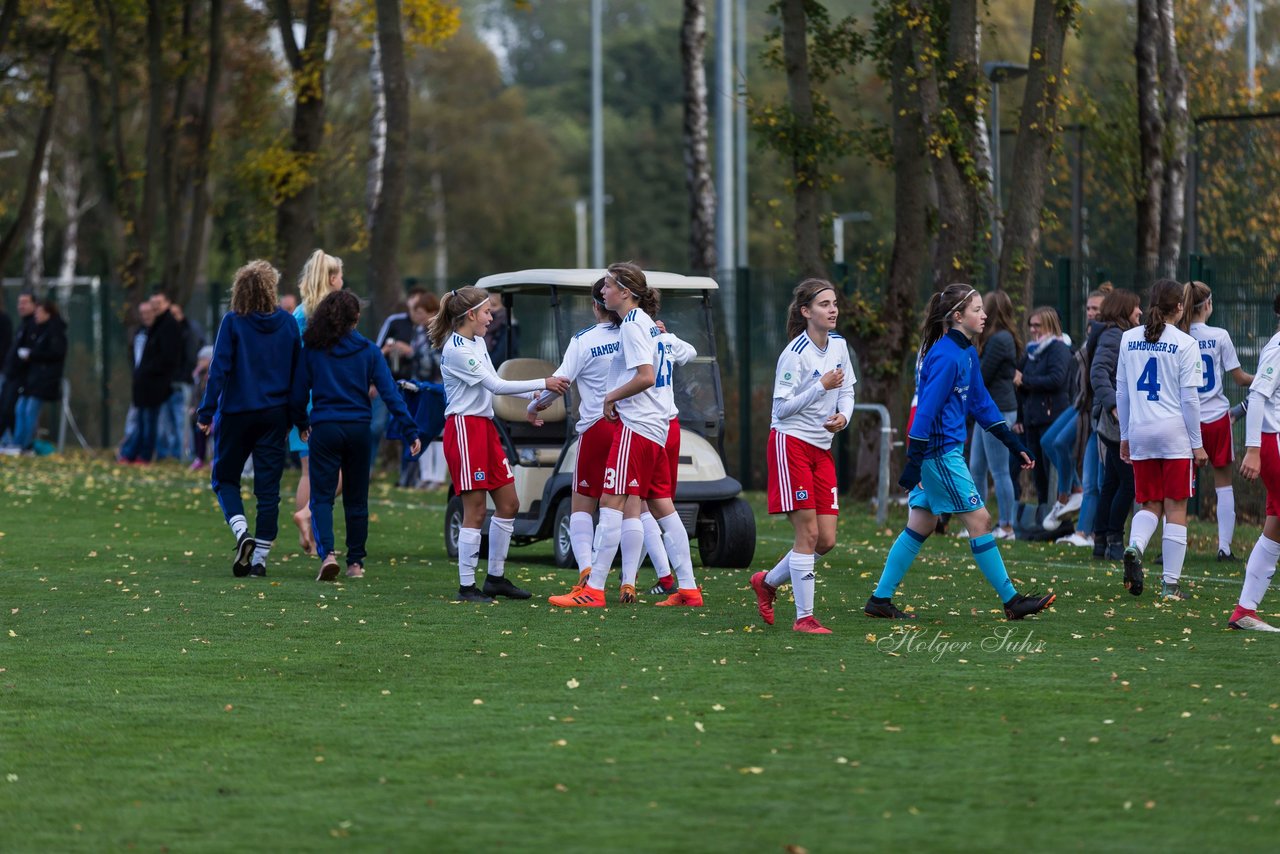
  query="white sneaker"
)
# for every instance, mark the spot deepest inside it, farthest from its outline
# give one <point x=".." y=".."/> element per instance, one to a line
<point x="1076" y="539"/>
<point x="1002" y="534"/>
<point x="1253" y="624"/>
<point x="1073" y="504"/>
<point x="1051" y="521"/>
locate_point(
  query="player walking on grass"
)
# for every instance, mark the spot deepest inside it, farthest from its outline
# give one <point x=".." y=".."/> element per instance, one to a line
<point x="1218" y="358"/>
<point x="337" y="367"/>
<point x="477" y="463"/>
<point x="950" y="389"/>
<point x="1262" y="457"/>
<point x="812" y="401"/>
<point x="1158" y="407"/>
<point x="248" y="395"/>
<point x="637" y="470"/>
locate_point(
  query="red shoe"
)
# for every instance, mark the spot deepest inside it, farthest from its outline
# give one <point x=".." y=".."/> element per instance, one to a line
<point x="584" y="597"/>
<point x="689" y="598"/>
<point x="810" y="626"/>
<point x="765" y="594"/>
<point x="627" y="595"/>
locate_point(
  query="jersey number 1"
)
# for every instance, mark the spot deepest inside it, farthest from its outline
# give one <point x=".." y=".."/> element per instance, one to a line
<point x="1148" y="381"/>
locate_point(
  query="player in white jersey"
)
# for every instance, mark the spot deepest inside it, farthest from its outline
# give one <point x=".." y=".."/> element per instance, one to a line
<point x="1218" y="359"/>
<point x="1157" y="374"/>
<point x="477" y="463"/>
<point x="587" y="361"/>
<point x="1262" y="457"/>
<point x="812" y="401"/>
<point x="637" y="468"/>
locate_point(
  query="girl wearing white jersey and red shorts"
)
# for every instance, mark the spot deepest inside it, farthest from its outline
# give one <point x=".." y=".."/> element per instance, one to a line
<point x="812" y="400"/>
<point x="477" y="463"/>
<point x="637" y="470"/>
<point x="1218" y="358"/>
<point x="1157" y="374"/>
<point x="1262" y="457"/>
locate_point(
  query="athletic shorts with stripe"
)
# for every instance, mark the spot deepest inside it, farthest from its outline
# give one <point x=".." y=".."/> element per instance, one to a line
<point x="474" y="454"/>
<point x="1216" y="436"/>
<point x="945" y="485"/>
<point x="637" y="466"/>
<point x="801" y="476"/>
<point x="1156" y="480"/>
<point x="673" y="454"/>
<point x="593" y="453"/>
<point x="1270" y="466"/>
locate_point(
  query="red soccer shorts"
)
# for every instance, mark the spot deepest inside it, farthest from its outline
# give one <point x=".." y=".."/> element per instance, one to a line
<point x="474" y="454"/>
<point x="1271" y="471"/>
<point x="673" y="454"/>
<point x="1216" y="436"/>
<point x="801" y="476"/>
<point x="1156" y="480"/>
<point x="637" y="466"/>
<point x="593" y="453"/>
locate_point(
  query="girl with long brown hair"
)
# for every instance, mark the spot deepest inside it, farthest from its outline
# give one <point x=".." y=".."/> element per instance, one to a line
<point x="999" y="347"/>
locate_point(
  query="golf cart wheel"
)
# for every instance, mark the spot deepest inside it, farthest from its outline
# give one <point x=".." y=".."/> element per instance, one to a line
<point x="453" y="525"/>
<point x="560" y="533"/>
<point x="727" y="534"/>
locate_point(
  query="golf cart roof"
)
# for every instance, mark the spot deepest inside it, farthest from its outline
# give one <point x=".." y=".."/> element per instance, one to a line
<point x="584" y="279"/>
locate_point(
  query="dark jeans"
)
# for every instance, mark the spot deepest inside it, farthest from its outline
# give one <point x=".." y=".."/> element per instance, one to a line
<point x="1041" y="472"/>
<point x="261" y="434"/>
<point x="346" y="447"/>
<point x="1115" y="499"/>
<point x="141" y="446"/>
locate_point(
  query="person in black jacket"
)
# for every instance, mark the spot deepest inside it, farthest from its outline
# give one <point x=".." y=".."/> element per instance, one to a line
<point x="1121" y="311"/>
<point x="1043" y="382"/>
<point x="45" y="357"/>
<point x="15" y="369"/>
<point x="153" y="379"/>
<point x="998" y="346"/>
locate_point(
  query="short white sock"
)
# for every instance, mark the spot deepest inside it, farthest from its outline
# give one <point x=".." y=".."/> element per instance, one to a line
<point x="1175" y="551"/>
<point x="781" y="572"/>
<point x="468" y="555"/>
<point x="654" y="546"/>
<point x="632" y="541"/>
<point x="239" y="525"/>
<point x="499" y="541"/>
<point x="676" y="540"/>
<point x="802" y="578"/>
<point x="581" y="533"/>
<point x="1142" y="529"/>
<point x="1258" y="572"/>
<point x="608" y="536"/>
<point x="1226" y="517"/>
<point x="260" y="550"/>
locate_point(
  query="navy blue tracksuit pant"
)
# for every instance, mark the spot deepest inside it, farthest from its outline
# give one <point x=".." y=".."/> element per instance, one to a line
<point x="347" y="447"/>
<point x="263" y="435"/>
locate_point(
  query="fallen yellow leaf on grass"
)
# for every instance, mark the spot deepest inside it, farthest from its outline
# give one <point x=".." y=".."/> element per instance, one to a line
<point x="572" y="683"/>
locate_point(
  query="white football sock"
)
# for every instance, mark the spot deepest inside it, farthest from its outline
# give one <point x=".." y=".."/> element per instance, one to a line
<point x="499" y="541"/>
<point x="632" y="541"/>
<point x="781" y="572"/>
<point x="608" y="536"/>
<point x="1258" y="572"/>
<point x="1226" y="517"/>
<point x="677" y="541"/>
<point x="468" y="555"/>
<point x="581" y="533"/>
<point x="239" y="525"/>
<point x="1142" y="529"/>
<point x="654" y="546"/>
<point x="260" y="550"/>
<point x="802" y="578"/>
<point x="1175" y="551"/>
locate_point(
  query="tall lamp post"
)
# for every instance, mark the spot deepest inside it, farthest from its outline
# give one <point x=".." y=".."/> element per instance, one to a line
<point x="998" y="72"/>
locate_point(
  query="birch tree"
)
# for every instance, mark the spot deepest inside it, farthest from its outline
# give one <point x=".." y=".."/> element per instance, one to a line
<point x="697" y="163"/>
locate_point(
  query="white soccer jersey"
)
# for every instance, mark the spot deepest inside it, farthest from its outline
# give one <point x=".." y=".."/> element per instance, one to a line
<point x="645" y="413"/>
<point x="675" y="352"/>
<point x="587" y="361"/>
<point x="470" y="382"/>
<point x="1265" y="382"/>
<point x="1153" y="376"/>
<point x="800" y="368"/>
<point x="1217" y="358"/>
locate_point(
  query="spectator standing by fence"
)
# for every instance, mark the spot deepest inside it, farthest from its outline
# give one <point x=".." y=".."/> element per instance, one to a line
<point x="45" y="358"/>
<point x="1086" y="440"/>
<point x="15" y="369"/>
<point x="999" y="346"/>
<point x="433" y="472"/>
<point x="153" y="379"/>
<point x="1120" y="312"/>
<point x="1043" y="381"/>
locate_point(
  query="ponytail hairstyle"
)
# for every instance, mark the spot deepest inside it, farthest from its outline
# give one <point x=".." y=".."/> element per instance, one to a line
<point x="999" y="309"/>
<point x="1049" y="322"/>
<point x="1117" y="308"/>
<point x="1195" y="298"/>
<point x="337" y="314"/>
<point x="802" y="297"/>
<point x="940" y="313"/>
<point x="254" y="288"/>
<point x="313" y="284"/>
<point x="453" y="310"/>
<point x="597" y="296"/>
<point x="631" y="277"/>
<point x="1162" y="304"/>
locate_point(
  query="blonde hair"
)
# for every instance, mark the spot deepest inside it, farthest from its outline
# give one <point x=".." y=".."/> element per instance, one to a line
<point x="1049" y="322"/>
<point x="313" y="284"/>
<point x="453" y="308"/>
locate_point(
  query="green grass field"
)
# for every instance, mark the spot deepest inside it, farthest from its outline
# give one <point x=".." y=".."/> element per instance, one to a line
<point x="151" y="701"/>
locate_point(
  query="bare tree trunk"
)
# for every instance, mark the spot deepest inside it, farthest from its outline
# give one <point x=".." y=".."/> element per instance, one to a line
<point x="153" y="175"/>
<point x="441" y="234"/>
<point x="1173" y="198"/>
<point x="1151" y="137"/>
<point x="67" y="186"/>
<point x="26" y="208"/>
<point x="8" y="15"/>
<point x="697" y="163"/>
<point x="795" y="58"/>
<point x="1037" y="128"/>
<point x="176" y="191"/>
<point x="33" y="263"/>
<point x="384" y="231"/>
<point x="117" y="178"/>
<point x="197" y="230"/>
<point x="377" y="136"/>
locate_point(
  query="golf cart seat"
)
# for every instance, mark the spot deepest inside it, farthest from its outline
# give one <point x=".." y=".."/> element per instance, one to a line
<point x="510" y="412"/>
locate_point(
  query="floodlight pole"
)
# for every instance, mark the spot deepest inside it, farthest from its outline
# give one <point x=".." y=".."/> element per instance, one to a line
<point x="740" y="143"/>
<point x="597" y="136"/>
<point x="997" y="73"/>
<point x="725" y="207"/>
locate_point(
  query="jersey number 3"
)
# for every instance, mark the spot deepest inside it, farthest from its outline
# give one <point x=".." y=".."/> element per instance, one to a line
<point x="1148" y="381"/>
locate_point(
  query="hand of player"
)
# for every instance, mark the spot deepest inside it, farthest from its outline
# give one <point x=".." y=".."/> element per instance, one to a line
<point x="610" y="409"/>
<point x="304" y="435"/>
<point x="832" y="379"/>
<point x="415" y="448"/>
<point x="204" y="428"/>
<point x="1200" y="457"/>
<point x="559" y="385"/>
<point x="1124" y="451"/>
<point x="835" y="423"/>
<point x="1027" y="462"/>
<point x="1017" y="377"/>
<point x="1017" y="428"/>
<point x="910" y="478"/>
<point x="662" y="327"/>
<point x="407" y="385"/>
<point x="1250" y="466"/>
<point x="531" y="415"/>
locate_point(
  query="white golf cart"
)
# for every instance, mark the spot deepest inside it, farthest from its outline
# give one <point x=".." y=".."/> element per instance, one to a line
<point x="547" y="307"/>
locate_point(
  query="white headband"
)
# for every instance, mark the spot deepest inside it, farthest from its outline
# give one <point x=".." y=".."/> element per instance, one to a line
<point x="965" y="299"/>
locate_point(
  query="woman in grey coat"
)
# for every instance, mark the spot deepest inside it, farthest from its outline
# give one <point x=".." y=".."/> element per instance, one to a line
<point x="999" y="347"/>
<point x="1121" y="311"/>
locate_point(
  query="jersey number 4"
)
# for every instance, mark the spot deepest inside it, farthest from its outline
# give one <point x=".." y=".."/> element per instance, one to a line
<point x="1148" y="381"/>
